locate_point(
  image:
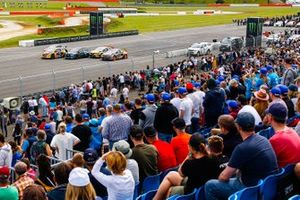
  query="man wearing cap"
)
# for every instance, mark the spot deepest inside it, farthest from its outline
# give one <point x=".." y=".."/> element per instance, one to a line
<point x="254" y="158"/>
<point x="233" y="108"/>
<point x="7" y="192"/>
<point x="148" y="114"/>
<point x="117" y="127"/>
<point x="144" y="154"/>
<point x="186" y="108"/>
<point x="180" y="141"/>
<point x="23" y="180"/>
<point x="262" y="78"/>
<point x="163" y="118"/>
<point x="284" y="96"/>
<point x="289" y="74"/>
<point x="213" y="103"/>
<point x="166" y="156"/>
<point x="132" y="165"/>
<point x="275" y="95"/>
<point x="272" y="76"/>
<point x="90" y="157"/>
<point x="285" y="142"/>
<point x="83" y="132"/>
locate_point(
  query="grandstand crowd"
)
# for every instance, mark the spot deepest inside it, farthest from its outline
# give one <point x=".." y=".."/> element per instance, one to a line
<point x="221" y="122"/>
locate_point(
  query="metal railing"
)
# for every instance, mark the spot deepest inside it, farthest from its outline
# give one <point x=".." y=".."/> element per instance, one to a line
<point x="70" y="153"/>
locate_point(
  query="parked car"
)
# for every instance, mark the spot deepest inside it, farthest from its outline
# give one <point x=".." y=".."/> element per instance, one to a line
<point x="54" y="51"/>
<point x="297" y="25"/>
<point x="273" y="38"/>
<point x="291" y="24"/>
<point x="268" y="23"/>
<point x="78" y="52"/>
<point x="97" y="53"/>
<point x="231" y="44"/>
<point x="202" y="48"/>
<point x="279" y="24"/>
<point x="115" y="54"/>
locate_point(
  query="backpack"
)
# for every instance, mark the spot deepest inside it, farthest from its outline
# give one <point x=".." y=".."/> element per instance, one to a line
<point x="37" y="149"/>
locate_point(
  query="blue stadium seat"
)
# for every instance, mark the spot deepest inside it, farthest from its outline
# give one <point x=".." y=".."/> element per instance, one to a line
<point x="136" y="191"/>
<point x="296" y="197"/>
<point x="190" y="196"/>
<point x="249" y="193"/>
<point x="173" y="197"/>
<point x="147" y="196"/>
<point x="269" y="186"/>
<point x="200" y="194"/>
<point x="267" y="133"/>
<point x="151" y="183"/>
<point x="164" y="173"/>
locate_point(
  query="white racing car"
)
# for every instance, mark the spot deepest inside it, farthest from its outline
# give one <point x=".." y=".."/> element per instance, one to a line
<point x="202" y="48"/>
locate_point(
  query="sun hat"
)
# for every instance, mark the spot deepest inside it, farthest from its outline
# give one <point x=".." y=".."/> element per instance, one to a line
<point x="261" y="95"/>
<point x="79" y="177"/>
<point x="123" y="147"/>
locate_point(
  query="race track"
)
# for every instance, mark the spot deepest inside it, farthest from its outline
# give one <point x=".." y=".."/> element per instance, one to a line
<point x="23" y="72"/>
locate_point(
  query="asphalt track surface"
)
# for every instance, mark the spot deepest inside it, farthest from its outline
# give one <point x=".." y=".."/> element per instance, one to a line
<point x="23" y="72"/>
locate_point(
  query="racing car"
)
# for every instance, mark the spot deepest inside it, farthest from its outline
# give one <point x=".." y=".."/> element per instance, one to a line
<point x="115" y="54"/>
<point x="78" y="52"/>
<point x="97" y="53"/>
<point x="54" y="51"/>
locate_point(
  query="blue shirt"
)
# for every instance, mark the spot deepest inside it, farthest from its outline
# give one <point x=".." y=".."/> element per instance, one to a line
<point x="255" y="158"/>
<point x="273" y="79"/>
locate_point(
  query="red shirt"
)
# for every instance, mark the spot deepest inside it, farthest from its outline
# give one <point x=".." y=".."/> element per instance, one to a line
<point x="166" y="156"/>
<point x="180" y="146"/>
<point x="286" y="144"/>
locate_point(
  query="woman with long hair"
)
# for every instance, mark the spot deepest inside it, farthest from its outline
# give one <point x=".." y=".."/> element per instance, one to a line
<point x="46" y="177"/>
<point x="34" y="192"/>
<point x="79" y="186"/>
<point x="198" y="168"/>
<point x="116" y="163"/>
<point x="261" y="102"/>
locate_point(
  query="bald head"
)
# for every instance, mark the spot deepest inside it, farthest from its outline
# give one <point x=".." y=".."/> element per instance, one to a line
<point x="20" y="168"/>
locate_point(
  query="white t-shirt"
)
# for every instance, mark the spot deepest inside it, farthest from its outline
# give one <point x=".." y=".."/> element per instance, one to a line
<point x="125" y="92"/>
<point x="176" y="102"/>
<point x="251" y="109"/>
<point x="122" y="79"/>
<point x="114" y="92"/>
<point x="196" y="104"/>
<point x="5" y="155"/>
<point x="62" y="142"/>
<point x="187" y="106"/>
<point x="200" y="94"/>
<point x="59" y="115"/>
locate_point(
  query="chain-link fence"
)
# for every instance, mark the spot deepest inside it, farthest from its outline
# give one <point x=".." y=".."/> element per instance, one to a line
<point x="53" y="80"/>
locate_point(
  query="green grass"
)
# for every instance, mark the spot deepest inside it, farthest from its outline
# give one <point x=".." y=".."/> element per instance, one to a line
<point x="34" y="20"/>
<point x="1" y="26"/>
<point x="15" y="41"/>
<point x="163" y="23"/>
<point x="51" y="5"/>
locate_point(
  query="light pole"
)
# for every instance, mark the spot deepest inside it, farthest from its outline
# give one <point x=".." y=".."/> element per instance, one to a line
<point x="153" y="59"/>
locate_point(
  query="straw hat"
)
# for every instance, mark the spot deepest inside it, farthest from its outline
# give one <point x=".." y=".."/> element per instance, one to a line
<point x="261" y="95"/>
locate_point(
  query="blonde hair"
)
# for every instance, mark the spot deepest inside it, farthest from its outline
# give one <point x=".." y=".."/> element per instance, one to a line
<point x="116" y="162"/>
<point x="80" y="193"/>
<point x="61" y="127"/>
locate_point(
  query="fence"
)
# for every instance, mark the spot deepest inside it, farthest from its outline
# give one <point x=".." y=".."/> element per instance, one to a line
<point x="55" y="79"/>
<point x="70" y="153"/>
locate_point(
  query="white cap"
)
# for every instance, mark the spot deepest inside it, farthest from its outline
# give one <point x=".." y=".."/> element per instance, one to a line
<point x="79" y="177"/>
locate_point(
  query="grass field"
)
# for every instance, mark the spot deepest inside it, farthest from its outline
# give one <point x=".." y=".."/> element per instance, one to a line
<point x="51" y="5"/>
<point x="162" y="23"/>
<point x="34" y="20"/>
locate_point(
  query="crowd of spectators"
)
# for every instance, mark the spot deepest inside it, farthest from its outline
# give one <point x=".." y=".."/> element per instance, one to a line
<point x="206" y="116"/>
<point x="273" y="20"/>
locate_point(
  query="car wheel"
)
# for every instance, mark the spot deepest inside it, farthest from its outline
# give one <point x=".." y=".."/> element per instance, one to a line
<point x="52" y="56"/>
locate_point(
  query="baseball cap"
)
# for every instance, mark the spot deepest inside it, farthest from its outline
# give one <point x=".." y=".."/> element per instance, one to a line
<point x="123" y="147"/>
<point x="236" y="77"/>
<point x="197" y="84"/>
<point x="94" y="122"/>
<point x="85" y="116"/>
<point x="283" y="89"/>
<point x="165" y="96"/>
<point x="221" y="78"/>
<point x="176" y="82"/>
<point x="90" y="156"/>
<point x="276" y="91"/>
<point x="189" y="86"/>
<point x="293" y="88"/>
<point x="79" y="177"/>
<point x="245" y="120"/>
<point x="294" y="66"/>
<point x="4" y="172"/>
<point x="269" y="67"/>
<point x="150" y="97"/>
<point x="150" y="131"/>
<point x="182" y="90"/>
<point x="178" y="123"/>
<point x="232" y="104"/>
<point x="263" y="71"/>
<point x="278" y="110"/>
<point x="47" y="126"/>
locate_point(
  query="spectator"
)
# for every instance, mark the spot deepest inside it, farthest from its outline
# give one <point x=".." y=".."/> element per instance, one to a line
<point x="198" y="167"/>
<point x="61" y="175"/>
<point x="289" y="74"/>
<point x="163" y="118"/>
<point x="166" y="156"/>
<point x="213" y="103"/>
<point x="252" y="167"/>
<point x="132" y="165"/>
<point x="116" y="162"/>
<point x="82" y="132"/>
<point x="261" y="102"/>
<point x="145" y="155"/>
<point x="96" y="139"/>
<point x="176" y="101"/>
<point x="136" y="112"/>
<point x="23" y="180"/>
<point x="229" y="134"/>
<point x="49" y="133"/>
<point x="79" y="186"/>
<point x="40" y="147"/>
<point x="69" y="124"/>
<point x="275" y="95"/>
<point x="90" y="157"/>
<point x="27" y="142"/>
<point x="233" y="108"/>
<point x="30" y="171"/>
<point x="7" y="192"/>
<point x="286" y="141"/>
<point x="248" y="108"/>
<point x="180" y="141"/>
<point x="34" y="192"/>
<point x="16" y="151"/>
<point x="284" y="96"/>
<point x="117" y="126"/>
<point x="62" y="141"/>
<point x="148" y="114"/>
<point x="186" y="108"/>
<point x="45" y="177"/>
<point x="6" y="153"/>
<point x="17" y="133"/>
<point x="77" y="160"/>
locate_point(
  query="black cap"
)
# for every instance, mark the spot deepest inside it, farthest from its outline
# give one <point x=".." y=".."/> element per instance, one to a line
<point x="246" y="121"/>
<point x="178" y="123"/>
